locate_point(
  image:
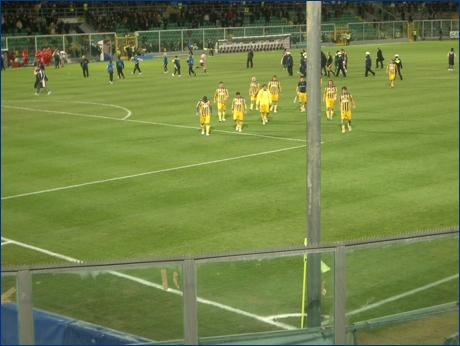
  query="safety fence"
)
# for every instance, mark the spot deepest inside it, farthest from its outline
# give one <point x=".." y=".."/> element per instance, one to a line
<point x="158" y="41"/>
<point x="253" y="296"/>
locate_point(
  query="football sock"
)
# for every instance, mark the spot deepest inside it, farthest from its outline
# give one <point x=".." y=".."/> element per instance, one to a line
<point x="207" y="128"/>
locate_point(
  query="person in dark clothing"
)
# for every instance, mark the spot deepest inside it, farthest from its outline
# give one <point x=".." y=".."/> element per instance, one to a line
<point x="368" y="65"/>
<point x="250" y="56"/>
<point x="340" y="65"/>
<point x="379" y="59"/>
<point x="211" y="48"/>
<point x="57" y="58"/>
<point x="303" y="64"/>
<point x="283" y="59"/>
<point x="398" y="63"/>
<point x="336" y="63"/>
<point x="84" y="66"/>
<point x="40" y="80"/>
<point x="120" y="67"/>
<point x="42" y="67"/>
<point x="323" y="64"/>
<point x="129" y="51"/>
<point x="329" y="63"/>
<point x="289" y="63"/>
<point x="451" y="59"/>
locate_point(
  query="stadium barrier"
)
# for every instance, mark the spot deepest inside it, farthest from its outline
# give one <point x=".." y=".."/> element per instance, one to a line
<point x="53" y="329"/>
<point x="158" y="41"/>
<point x="22" y="324"/>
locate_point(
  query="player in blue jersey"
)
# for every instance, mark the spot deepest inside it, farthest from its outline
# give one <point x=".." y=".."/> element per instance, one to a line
<point x="110" y="69"/>
<point x="165" y="62"/>
<point x="136" y="64"/>
<point x="176" y="63"/>
<point x="190" y="62"/>
<point x="120" y="67"/>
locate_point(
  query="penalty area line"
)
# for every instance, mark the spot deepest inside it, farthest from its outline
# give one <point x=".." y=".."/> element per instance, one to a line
<point x="151" y="172"/>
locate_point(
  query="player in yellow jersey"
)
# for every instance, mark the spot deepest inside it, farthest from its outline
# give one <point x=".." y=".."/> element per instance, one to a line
<point x="275" y="90"/>
<point x="392" y="69"/>
<point x="220" y="97"/>
<point x="345" y="108"/>
<point x="329" y="97"/>
<point x="204" y="110"/>
<point x="239" y="108"/>
<point x="253" y="90"/>
<point x="264" y="102"/>
<point x="301" y="92"/>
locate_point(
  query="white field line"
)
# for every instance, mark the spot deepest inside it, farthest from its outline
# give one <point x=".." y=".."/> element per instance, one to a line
<point x="82" y="102"/>
<point x="402" y="295"/>
<point x="70" y="259"/>
<point x="152" y="172"/>
<point x="378" y="304"/>
<point x="160" y="287"/>
<point x="147" y="122"/>
<point x="268" y="319"/>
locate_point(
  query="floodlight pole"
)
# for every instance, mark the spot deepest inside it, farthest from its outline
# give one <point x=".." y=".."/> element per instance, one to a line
<point x="313" y="17"/>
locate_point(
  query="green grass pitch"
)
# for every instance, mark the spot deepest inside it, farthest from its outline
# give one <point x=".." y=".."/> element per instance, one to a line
<point x="96" y="171"/>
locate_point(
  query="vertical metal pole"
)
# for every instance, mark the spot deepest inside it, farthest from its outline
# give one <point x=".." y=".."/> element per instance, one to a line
<point x="182" y="39"/>
<point x="339" y="297"/>
<point x="313" y="161"/>
<point x="25" y="311"/>
<point x="190" y="305"/>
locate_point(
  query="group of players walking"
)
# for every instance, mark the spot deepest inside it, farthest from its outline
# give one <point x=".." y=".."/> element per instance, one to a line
<point x="265" y="99"/>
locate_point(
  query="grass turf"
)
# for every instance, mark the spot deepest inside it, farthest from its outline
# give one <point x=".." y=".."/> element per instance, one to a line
<point x="80" y="181"/>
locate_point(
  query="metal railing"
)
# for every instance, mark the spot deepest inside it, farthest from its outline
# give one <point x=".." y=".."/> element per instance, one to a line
<point x="195" y="269"/>
<point x="156" y="41"/>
